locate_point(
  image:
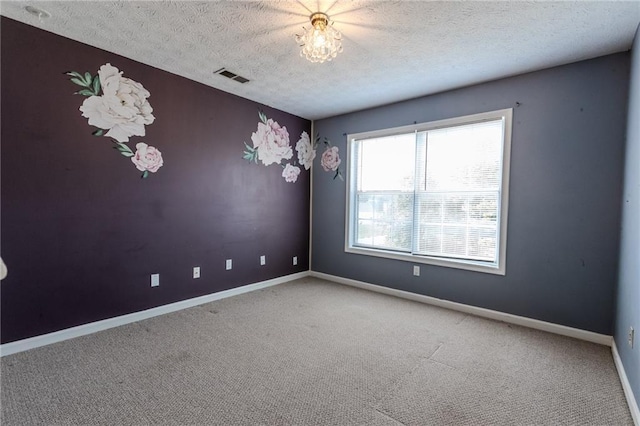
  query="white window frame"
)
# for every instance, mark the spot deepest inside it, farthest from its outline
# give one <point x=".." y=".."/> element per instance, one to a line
<point x="499" y="267"/>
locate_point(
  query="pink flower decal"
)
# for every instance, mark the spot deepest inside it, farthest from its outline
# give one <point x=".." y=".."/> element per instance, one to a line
<point x="147" y="158"/>
<point x="290" y="173"/>
<point x="271" y="142"/>
<point x="330" y="160"/>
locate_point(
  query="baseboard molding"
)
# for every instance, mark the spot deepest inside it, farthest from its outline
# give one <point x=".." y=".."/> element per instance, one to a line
<point x="82" y="330"/>
<point x="589" y="336"/>
<point x="626" y="386"/>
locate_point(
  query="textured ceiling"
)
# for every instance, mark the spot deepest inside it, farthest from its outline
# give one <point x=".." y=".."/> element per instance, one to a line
<point x="393" y="50"/>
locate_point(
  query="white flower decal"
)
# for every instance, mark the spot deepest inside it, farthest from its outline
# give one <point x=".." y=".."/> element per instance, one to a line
<point x="122" y="109"/>
<point x="306" y="152"/>
<point x="290" y="173"/>
<point x="119" y="106"/>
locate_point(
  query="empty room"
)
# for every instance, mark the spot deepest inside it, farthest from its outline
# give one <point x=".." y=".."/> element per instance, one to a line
<point x="333" y="212"/>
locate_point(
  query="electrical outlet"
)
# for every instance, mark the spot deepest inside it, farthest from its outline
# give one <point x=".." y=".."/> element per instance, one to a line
<point x="416" y="271"/>
<point x="155" y="280"/>
<point x="196" y="272"/>
<point x="295" y="260"/>
<point x="631" y="336"/>
<point x="263" y="260"/>
<point x="228" y="264"/>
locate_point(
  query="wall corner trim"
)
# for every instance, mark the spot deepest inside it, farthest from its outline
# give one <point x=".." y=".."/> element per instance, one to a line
<point x="94" y="327"/>
<point x="626" y="386"/>
<point x="588" y="336"/>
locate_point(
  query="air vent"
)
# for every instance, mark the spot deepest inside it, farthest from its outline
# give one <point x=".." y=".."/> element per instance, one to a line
<point x="226" y="73"/>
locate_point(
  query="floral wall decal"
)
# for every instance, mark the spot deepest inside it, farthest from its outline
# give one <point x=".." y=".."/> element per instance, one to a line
<point x="330" y="160"/>
<point x="290" y="173"/>
<point x="271" y="146"/>
<point x="270" y="142"/>
<point x="118" y="106"/>
<point x="305" y="150"/>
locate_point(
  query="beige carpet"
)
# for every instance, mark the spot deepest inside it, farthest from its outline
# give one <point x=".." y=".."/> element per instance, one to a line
<point x="312" y="352"/>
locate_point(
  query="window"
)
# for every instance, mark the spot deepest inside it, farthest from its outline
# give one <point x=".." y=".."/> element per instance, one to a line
<point x="432" y="193"/>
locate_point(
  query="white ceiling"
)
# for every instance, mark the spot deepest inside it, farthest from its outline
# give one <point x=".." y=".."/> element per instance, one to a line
<point x="393" y="50"/>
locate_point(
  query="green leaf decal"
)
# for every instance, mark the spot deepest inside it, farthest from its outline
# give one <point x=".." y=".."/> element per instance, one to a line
<point x="96" y="85"/>
<point x="78" y="82"/>
<point x="262" y="116"/>
<point x="251" y="156"/>
<point x="87" y="77"/>
<point x="145" y="174"/>
<point x="98" y="132"/>
<point x="84" y="92"/>
<point x="124" y="149"/>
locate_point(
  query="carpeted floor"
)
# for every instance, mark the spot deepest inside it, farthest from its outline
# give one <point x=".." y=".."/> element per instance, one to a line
<point x="312" y="352"/>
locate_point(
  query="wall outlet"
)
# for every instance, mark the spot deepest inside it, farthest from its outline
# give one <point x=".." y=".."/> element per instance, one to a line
<point x="631" y="336"/>
<point x="228" y="264"/>
<point x="416" y="271"/>
<point x="196" y="272"/>
<point x="263" y="260"/>
<point x="155" y="280"/>
<point x="295" y="260"/>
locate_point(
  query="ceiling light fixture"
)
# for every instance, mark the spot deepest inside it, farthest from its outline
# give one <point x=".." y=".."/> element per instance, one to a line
<point x="321" y="42"/>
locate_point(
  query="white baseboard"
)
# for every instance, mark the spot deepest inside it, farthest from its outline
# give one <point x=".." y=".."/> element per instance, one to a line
<point x="82" y="330"/>
<point x="626" y="386"/>
<point x="589" y="336"/>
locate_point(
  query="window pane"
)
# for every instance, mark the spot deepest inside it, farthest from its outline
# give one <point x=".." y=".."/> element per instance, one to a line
<point x="454" y="241"/>
<point x="483" y="209"/>
<point x="464" y="158"/>
<point x="365" y="206"/>
<point x="364" y="234"/>
<point x="430" y="208"/>
<point x="455" y="208"/>
<point x="430" y="239"/>
<point x="454" y="224"/>
<point x="385" y="220"/>
<point x="482" y="243"/>
<point x="386" y="164"/>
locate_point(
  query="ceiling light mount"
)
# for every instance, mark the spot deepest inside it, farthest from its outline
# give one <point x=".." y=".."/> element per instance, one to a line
<point x="322" y="42"/>
<point x="36" y="11"/>
<point x="319" y="20"/>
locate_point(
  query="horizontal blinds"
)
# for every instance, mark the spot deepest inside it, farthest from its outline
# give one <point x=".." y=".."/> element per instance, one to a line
<point x="458" y="197"/>
<point x="432" y="193"/>
<point x="385" y="199"/>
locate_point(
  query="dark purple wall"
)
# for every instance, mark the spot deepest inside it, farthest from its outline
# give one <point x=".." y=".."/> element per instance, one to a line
<point x="81" y="232"/>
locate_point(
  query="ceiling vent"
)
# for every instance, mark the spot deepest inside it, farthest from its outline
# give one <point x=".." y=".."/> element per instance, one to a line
<point x="226" y="73"/>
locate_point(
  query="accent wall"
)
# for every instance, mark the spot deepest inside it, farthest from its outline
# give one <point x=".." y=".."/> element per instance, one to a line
<point x="195" y="179"/>
<point x="567" y="153"/>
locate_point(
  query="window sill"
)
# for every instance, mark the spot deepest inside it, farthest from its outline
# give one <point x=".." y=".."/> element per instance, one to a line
<point x="447" y="263"/>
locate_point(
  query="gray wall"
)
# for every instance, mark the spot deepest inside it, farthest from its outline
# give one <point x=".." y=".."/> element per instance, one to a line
<point x="565" y="195"/>
<point x="628" y="309"/>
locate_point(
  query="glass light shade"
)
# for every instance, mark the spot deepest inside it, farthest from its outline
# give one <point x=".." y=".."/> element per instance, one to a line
<point x="321" y="42"/>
